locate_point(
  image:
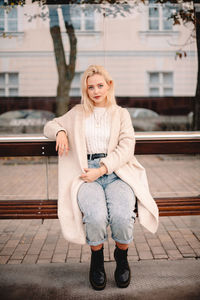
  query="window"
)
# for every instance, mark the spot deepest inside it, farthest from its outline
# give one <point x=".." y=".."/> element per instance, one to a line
<point x="160" y="83"/>
<point x="9" y="84"/>
<point x="9" y="19"/>
<point x="159" y="16"/>
<point x="82" y="19"/>
<point x="76" y="84"/>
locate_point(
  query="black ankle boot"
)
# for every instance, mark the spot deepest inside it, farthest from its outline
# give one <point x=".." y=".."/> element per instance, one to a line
<point x="122" y="272"/>
<point x="97" y="271"/>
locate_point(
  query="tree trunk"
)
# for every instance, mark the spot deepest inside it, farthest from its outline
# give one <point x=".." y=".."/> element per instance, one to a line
<point x="65" y="71"/>
<point x="196" y="116"/>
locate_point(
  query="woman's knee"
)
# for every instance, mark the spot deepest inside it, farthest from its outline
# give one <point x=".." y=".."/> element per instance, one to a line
<point x="90" y="194"/>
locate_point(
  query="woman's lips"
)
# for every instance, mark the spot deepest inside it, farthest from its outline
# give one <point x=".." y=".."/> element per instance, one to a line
<point x="97" y="97"/>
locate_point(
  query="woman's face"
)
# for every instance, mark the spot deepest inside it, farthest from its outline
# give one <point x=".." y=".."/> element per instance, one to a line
<point x="97" y="89"/>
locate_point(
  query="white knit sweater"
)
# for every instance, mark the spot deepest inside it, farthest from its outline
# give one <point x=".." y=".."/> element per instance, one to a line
<point x="97" y="131"/>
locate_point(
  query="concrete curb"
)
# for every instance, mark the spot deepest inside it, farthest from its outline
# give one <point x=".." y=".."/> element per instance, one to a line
<point x="166" y="280"/>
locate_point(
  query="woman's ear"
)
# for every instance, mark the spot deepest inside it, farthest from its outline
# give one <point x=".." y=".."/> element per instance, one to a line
<point x="110" y="83"/>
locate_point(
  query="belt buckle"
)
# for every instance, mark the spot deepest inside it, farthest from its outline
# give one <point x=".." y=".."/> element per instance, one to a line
<point x="90" y="156"/>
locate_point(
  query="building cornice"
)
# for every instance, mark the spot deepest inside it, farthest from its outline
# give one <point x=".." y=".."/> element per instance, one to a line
<point x="138" y="53"/>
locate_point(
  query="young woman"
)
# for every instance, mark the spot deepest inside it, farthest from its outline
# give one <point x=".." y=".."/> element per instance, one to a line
<point x="99" y="176"/>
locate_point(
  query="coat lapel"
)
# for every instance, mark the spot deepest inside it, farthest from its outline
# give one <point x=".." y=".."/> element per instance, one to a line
<point x="80" y="138"/>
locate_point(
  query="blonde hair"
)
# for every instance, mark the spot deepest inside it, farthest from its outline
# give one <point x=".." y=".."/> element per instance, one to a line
<point x="85" y="100"/>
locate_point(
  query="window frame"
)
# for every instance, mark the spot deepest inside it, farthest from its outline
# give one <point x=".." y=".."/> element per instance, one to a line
<point x="83" y="20"/>
<point x="161" y="85"/>
<point x="160" y="18"/>
<point x="8" y="86"/>
<point x="5" y="20"/>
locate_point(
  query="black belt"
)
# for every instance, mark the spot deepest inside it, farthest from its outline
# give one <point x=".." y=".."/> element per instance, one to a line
<point x="96" y="155"/>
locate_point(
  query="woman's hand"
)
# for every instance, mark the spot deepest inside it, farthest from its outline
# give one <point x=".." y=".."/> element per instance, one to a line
<point x="62" y="143"/>
<point x="93" y="173"/>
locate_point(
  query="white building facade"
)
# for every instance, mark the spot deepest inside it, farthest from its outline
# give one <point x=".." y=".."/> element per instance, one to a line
<point x="138" y="49"/>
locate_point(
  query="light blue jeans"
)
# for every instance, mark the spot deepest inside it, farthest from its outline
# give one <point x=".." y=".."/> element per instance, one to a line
<point x="107" y="201"/>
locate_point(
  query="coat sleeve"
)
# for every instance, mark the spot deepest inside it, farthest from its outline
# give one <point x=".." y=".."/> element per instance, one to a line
<point x="124" y="150"/>
<point x="52" y="127"/>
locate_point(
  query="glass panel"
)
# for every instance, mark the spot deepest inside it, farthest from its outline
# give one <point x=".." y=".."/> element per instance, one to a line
<point x="2" y="25"/>
<point x="154" y="78"/>
<point x="76" y="17"/>
<point x="12" y="25"/>
<point x="1" y="12"/>
<point x="76" y="23"/>
<point x="154" y="24"/>
<point x="2" y="79"/>
<point x="2" y="92"/>
<point x="168" y="78"/>
<point x="168" y="91"/>
<point x="13" y="78"/>
<point x="89" y="18"/>
<point x="13" y="92"/>
<point x="167" y="24"/>
<point x="89" y="24"/>
<point x="154" y="91"/>
<point x="12" y="14"/>
<point x="153" y="12"/>
<point x="121" y="42"/>
<point x="181" y="176"/>
<point x="28" y="178"/>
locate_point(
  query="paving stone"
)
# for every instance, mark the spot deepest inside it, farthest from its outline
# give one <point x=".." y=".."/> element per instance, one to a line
<point x="174" y="254"/>
<point x="160" y="256"/>
<point x="14" y="261"/>
<point x="189" y="255"/>
<point x="4" y="259"/>
<point x="7" y="251"/>
<point x="197" y="251"/>
<point x="43" y="261"/>
<point x="133" y="258"/>
<point x="74" y="253"/>
<point x="145" y="255"/>
<point x="142" y="246"/>
<point x="45" y="255"/>
<point x="153" y="242"/>
<point x="30" y="259"/>
<point x="185" y="249"/>
<point x="158" y="250"/>
<point x="73" y="260"/>
<point x="58" y="258"/>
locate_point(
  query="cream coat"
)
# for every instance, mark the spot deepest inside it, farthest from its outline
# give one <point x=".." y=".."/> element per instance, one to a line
<point x="120" y="159"/>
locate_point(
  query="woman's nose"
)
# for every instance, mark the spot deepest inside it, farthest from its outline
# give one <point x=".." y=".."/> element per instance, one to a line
<point x="96" y="90"/>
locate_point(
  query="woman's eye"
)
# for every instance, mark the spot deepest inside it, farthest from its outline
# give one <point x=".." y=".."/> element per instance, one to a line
<point x="90" y="87"/>
<point x="100" y="85"/>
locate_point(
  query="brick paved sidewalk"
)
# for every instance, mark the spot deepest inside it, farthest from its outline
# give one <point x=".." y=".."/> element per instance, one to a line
<point x="30" y="242"/>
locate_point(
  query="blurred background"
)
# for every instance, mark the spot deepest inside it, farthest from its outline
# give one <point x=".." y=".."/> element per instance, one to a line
<point x="149" y="49"/>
